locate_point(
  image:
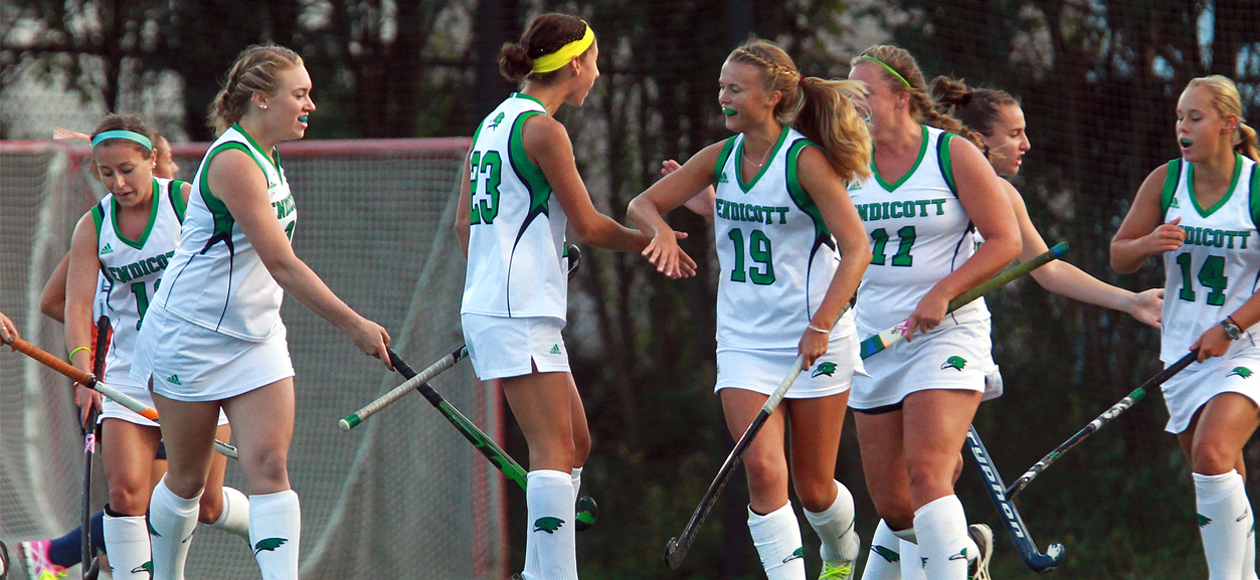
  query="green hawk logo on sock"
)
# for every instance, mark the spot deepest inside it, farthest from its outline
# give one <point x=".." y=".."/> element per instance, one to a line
<point x="796" y="555"/>
<point x="954" y="362"/>
<point x="146" y="567"/>
<point x="889" y="555"/>
<point x="1243" y="372"/>
<point x="827" y="368"/>
<point x="959" y="556"/>
<point x="152" y="532"/>
<point x="269" y="544"/>
<point x="497" y="119"/>
<point x="548" y="524"/>
<point x="1204" y="520"/>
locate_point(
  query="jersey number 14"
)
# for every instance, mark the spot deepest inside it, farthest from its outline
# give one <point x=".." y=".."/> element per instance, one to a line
<point x="1211" y="275"/>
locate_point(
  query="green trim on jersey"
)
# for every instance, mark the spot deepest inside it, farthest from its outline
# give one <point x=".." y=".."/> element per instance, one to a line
<point x="273" y="159"/>
<point x="177" y="199"/>
<point x="798" y="193"/>
<point x="946" y="164"/>
<point x="98" y="218"/>
<point x="531" y="175"/>
<point x="723" y="156"/>
<point x="1171" y="178"/>
<point x="530" y="97"/>
<point x="1255" y="195"/>
<point x="1228" y="192"/>
<point x="153" y="211"/>
<point x="893" y="187"/>
<point x="223" y="219"/>
<point x="765" y="164"/>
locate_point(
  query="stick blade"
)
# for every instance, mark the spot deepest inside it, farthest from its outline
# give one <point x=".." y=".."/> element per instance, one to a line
<point x="675" y="553"/>
<point x="1051" y="560"/>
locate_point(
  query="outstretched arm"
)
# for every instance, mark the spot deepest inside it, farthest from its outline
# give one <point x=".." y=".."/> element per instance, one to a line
<point x="647" y="211"/>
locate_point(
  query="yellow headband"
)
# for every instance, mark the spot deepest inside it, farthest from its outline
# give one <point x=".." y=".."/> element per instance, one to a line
<point x="559" y="58"/>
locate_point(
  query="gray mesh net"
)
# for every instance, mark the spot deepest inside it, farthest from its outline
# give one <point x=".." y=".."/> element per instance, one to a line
<point x="401" y="496"/>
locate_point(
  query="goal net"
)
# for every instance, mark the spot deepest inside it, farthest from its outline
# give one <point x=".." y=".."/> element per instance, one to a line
<point x="401" y="496"/>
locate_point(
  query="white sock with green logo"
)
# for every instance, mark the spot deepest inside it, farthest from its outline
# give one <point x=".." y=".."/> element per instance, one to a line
<point x="911" y="563"/>
<point x="884" y="561"/>
<point x="777" y="537"/>
<point x="1249" y="547"/>
<point x="275" y="533"/>
<point x="234" y="519"/>
<point x="172" y="520"/>
<point x="127" y="542"/>
<point x="1222" y="506"/>
<point x="941" y="526"/>
<point x="834" y="525"/>
<point x="550" y="546"/>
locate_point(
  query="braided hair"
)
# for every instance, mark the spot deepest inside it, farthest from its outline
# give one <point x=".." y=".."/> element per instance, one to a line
<point x="922" y="107"/>
<point x="255" y="71"/>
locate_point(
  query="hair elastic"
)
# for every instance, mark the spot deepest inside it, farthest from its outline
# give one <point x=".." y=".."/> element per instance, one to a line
<point x="561" y="57"/>
<point x="120" y="134"/>
<point x="890" y="69"/>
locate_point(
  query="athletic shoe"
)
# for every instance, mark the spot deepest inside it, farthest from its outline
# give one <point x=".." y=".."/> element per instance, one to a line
<point x="978" y="569"/>
<point x="35" y="557"/>
<point x="4" y="561"/>
<point x="841" y="572"/>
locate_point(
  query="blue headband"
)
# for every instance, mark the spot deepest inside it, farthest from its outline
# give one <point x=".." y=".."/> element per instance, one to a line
<point x="128" y="135"/>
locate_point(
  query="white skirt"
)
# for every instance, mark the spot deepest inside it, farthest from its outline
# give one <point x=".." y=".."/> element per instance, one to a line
<point x="1189" y="390"/>
<point x="761" y="370"/>
<point x="502" y="347"/>
<point x="950" y="356"/>
<point x="192" y="363"/>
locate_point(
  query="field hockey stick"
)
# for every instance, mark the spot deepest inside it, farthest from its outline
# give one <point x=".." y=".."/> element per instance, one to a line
<point x="893" y="335"/>
<point x="91" y="432"/>
<point x="417" y="381"/>
<point x="1137" y="395"/>
<point x="993" y="483"/>
<point x="676" y="549"/>
<point x="89" y="381"/>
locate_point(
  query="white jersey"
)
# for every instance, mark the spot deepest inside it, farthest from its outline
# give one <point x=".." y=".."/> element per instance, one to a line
<point x="1216" y="269"/>
<point x="217" y="281"/>
<point x="132" y="270"/>
<point x="920" y="233"/>
<point x="776" y="255"/>
<point x="516" y="238"/>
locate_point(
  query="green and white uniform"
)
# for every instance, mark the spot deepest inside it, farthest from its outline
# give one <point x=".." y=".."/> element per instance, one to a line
<point x="515" y="287"/>
<point x="1213" y="273"/>
<point x="920" y="233"/>
<point x="214" y="330"/>
<point x="777" y="259"/>
<point x="131" y="271"/>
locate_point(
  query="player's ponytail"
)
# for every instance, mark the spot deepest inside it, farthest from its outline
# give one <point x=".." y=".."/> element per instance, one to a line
<point x="820" y="109"/>
<point x="1247" y="143"/>
<point x="827" y="117"/>
<point x="545" y="35"/>
<point x="255" y="71"/>
<point x="977" y="109"/>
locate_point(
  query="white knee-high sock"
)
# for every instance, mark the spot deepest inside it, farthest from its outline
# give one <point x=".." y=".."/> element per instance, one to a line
<point x="172" y="520"/>
<point x="777" y="537"/>
<point x="235" y="516"/>
<point x="576" y="477"/>
<point x="127" y="543"/>
<point x="275" y="533"/>
<point x="834" y="525"/>
<point x="1249" y="547"/>
<point x="550" y="547"/>
<point x="1222" y="506"/>
<point x="911" y="562"/>
<point x="942" y="529"/>
<point x="884" y="561"/>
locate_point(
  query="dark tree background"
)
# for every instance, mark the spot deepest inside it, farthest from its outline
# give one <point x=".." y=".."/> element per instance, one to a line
<point x="1099" y="82"/>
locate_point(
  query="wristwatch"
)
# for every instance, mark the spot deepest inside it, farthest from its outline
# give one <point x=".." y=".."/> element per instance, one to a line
<point x="1233" y="331"/>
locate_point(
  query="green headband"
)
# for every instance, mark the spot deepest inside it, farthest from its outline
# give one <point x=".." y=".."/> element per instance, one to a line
<point x="890" y="69"/>
<point x="118" y="134"/>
